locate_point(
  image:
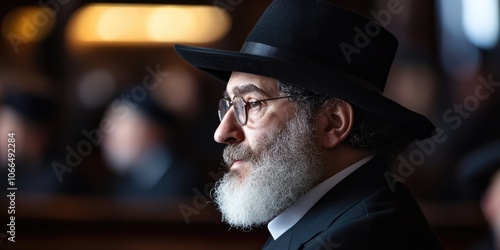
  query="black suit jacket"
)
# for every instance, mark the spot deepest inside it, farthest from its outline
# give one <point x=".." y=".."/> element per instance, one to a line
<point x="361" y="212"/>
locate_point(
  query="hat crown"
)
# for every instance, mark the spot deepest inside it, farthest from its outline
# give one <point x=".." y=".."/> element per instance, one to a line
<point x="317" y="45"/>
<point x="329" y="34"/>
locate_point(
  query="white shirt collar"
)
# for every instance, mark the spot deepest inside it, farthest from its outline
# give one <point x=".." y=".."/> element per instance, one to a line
<point x="284" y="221"/>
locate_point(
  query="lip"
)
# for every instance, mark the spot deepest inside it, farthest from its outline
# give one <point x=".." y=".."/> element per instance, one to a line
<point x="236" y="164"/>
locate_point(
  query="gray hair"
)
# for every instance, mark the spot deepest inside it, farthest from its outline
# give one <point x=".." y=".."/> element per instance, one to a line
<point x="370" y="132"/>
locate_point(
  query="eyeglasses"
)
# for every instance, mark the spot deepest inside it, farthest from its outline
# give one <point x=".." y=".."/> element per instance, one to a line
<point x="241" y="107"/>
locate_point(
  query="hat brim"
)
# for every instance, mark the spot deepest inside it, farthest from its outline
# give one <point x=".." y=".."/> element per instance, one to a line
<point x="221" y="63"/>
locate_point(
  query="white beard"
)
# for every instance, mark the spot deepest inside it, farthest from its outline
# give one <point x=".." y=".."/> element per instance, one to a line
<point x="286" y="165"/>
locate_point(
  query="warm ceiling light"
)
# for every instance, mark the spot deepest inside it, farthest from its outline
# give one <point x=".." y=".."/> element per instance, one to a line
<point x="138" y="23"/>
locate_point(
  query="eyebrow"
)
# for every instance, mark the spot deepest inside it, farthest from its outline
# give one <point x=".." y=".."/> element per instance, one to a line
<point x="245" y="89"/>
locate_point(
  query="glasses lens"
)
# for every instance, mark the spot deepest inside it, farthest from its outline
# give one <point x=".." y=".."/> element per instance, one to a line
<point x="223" y="108"/>
<point x="240" y="110"/>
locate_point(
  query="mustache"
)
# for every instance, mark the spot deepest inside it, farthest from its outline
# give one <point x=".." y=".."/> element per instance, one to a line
<point x="235" y="152"/>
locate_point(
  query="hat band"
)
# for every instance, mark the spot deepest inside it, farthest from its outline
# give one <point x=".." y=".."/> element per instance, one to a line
<point x="260" y="49"/>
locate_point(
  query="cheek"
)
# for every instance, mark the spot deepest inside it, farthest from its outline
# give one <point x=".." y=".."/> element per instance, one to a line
<point x="258" y="140"/>
<point x="265" y="126"/>
<point x="273" y="120"/>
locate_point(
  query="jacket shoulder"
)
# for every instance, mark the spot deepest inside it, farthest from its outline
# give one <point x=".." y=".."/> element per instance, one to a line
<point x="385" y="219"/>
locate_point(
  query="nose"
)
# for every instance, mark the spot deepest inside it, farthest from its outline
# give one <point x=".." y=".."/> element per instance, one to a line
<point x="229" y="130"/>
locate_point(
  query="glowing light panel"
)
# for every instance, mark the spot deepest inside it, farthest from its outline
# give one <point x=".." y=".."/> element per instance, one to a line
<point x="138" y="23"/>
<point x="480" y="22"/>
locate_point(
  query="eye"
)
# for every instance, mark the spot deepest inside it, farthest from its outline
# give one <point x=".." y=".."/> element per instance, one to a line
<point x="255" y="104"/>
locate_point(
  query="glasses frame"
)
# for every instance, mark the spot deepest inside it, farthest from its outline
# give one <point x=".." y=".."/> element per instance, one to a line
<point x="228" y="103"/>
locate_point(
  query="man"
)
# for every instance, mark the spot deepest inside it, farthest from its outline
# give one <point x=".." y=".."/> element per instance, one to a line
<point x="141" y="154"/>
<point x="29" y="115"/>
<point x="309" y="134"/>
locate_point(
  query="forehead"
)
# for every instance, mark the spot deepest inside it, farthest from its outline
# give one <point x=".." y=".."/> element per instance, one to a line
<point x="242" y="83"/>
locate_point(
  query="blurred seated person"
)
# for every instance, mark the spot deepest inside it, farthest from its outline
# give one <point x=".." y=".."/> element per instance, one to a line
<point x="29" y="116"/>
<point x="480" y="171"/>
<point x="140" y="150"/>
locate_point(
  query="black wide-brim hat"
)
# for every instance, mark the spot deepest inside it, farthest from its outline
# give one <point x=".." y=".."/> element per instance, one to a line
<point x="319" y="46"/>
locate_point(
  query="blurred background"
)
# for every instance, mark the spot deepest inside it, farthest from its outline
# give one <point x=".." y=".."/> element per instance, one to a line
<point x="113" y="130"/>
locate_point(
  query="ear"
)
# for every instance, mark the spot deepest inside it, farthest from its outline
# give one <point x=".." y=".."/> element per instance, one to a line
<point x="336" y="120"/>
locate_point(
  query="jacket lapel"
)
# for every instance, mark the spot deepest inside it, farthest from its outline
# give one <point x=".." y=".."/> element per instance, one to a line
<point x="283" y="242"/>
<point x="337" y="201"/>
